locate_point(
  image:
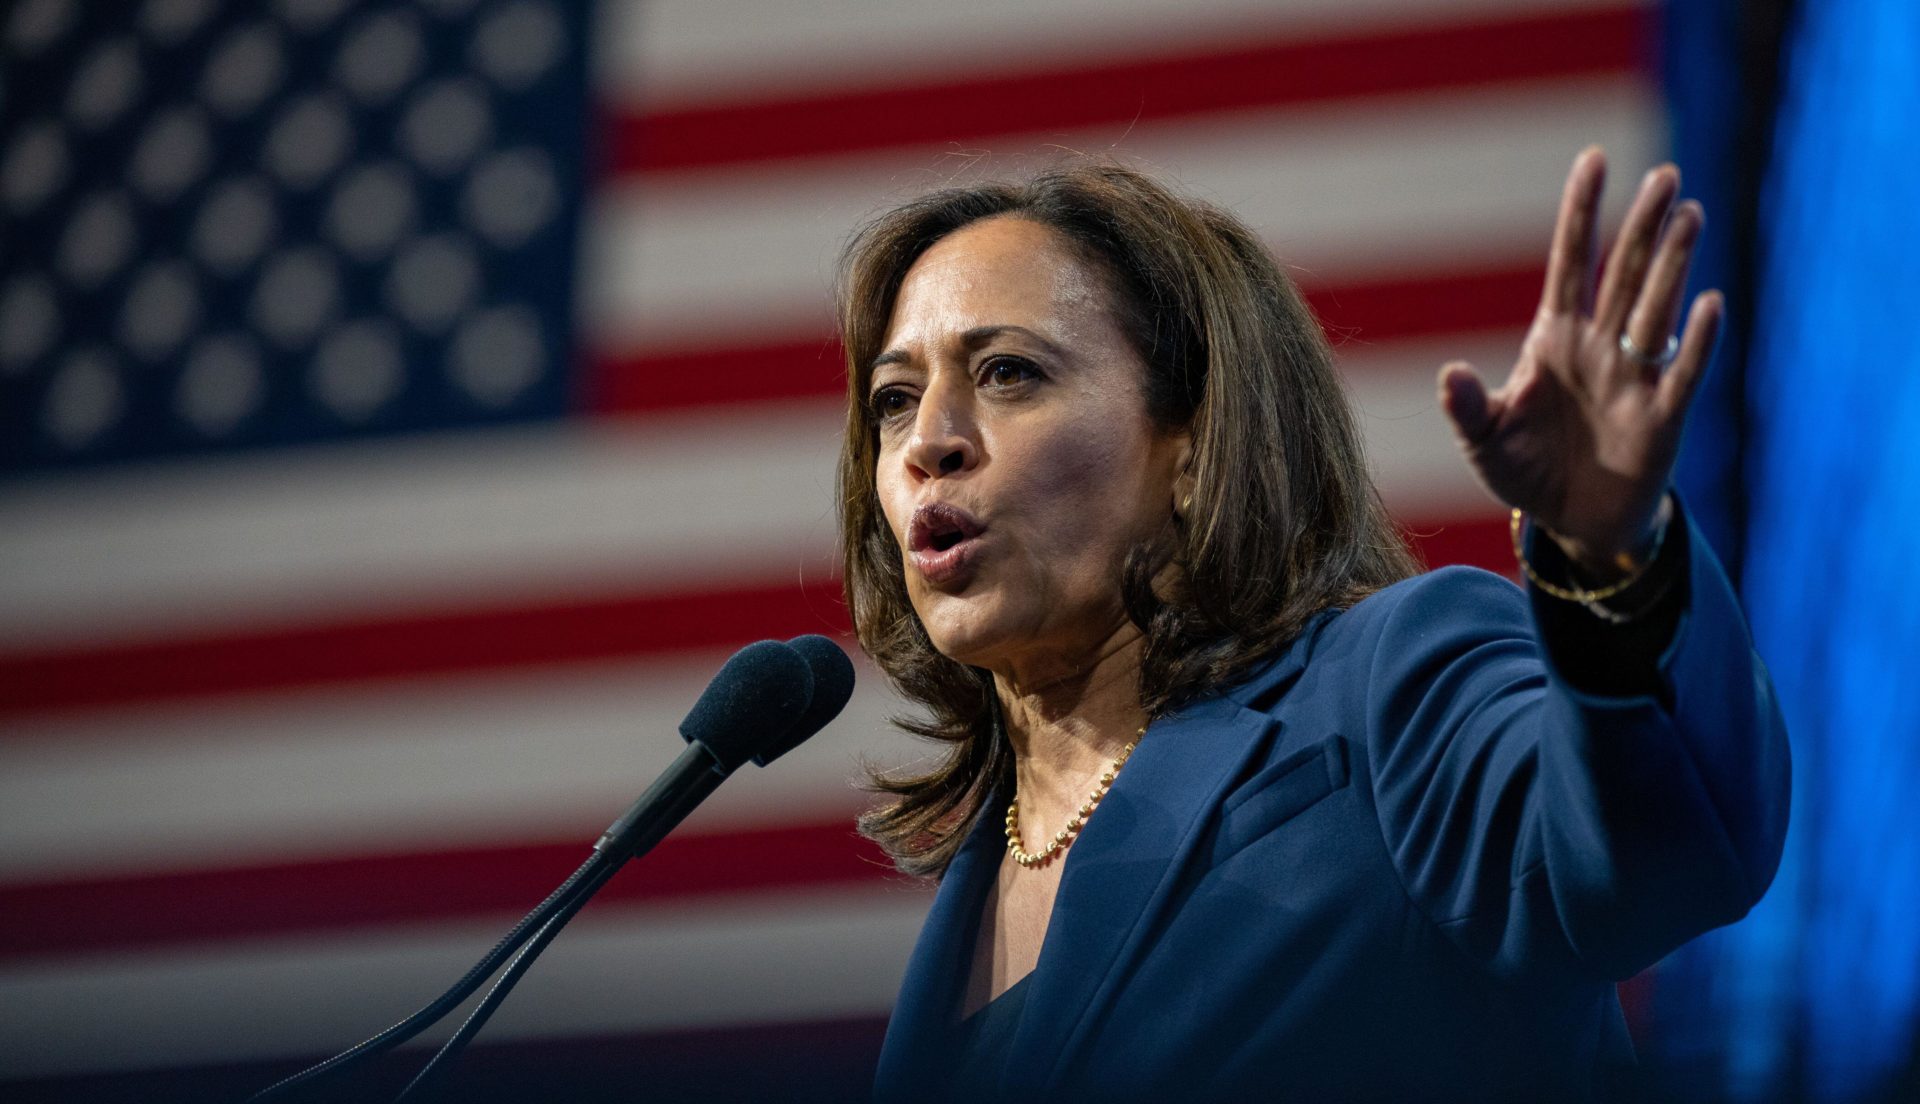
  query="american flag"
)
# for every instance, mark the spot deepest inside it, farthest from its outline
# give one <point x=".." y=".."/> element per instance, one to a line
<point x="405" y="407"/>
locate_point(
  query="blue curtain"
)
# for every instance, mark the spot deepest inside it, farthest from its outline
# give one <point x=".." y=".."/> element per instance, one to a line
<point x="1816" y="996"/>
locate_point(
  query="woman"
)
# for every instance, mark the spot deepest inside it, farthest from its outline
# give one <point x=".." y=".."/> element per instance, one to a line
<point x="1235" y="804"/>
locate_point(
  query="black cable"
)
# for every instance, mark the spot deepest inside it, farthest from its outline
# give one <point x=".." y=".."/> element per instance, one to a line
<point x="425" y="1085"/>
<point x="568" y="895"/>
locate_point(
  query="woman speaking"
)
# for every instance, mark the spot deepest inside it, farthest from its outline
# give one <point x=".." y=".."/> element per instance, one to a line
<point x="1234" y="803"/>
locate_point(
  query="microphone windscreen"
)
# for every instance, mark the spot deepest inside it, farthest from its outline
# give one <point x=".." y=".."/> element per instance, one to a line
<point x="755" y="698"/>
<point x="832" y="687"/>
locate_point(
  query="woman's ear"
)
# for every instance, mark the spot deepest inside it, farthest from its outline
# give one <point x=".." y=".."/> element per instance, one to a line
<point x="1184" y="479"/>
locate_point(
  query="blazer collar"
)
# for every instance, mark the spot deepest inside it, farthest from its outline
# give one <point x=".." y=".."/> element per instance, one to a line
<point x="1120" y="873"/>
<point x="923" y="1026"/>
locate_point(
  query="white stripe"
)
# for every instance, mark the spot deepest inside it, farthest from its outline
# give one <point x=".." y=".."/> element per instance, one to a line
<point x="719" y="256"/>
<point x="1410" y="445"/>
<point x="498" y="515"/>
<point x="523" y="515"/>
<point x="770" y="958"/>
<point x="546" y="757"/>
<point x="679" y="52"/>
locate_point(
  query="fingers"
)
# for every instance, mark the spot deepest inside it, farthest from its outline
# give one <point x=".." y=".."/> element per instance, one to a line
<point x="1467" y="403"/>
<point x="1570" y="260"/>
<point x="1696" y="349"/>
<point x="1633" y="250"/>
<point x="1657" y="309"/>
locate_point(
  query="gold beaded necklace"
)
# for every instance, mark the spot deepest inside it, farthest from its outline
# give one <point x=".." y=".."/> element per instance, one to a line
<point x="1030" y="860"/>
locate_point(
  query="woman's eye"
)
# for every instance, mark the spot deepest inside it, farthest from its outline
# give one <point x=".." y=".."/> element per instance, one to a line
<point x="1007" y="371"/>
<point x="887" y="402"/>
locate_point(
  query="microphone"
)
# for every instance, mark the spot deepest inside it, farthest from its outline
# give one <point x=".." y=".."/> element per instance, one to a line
<point x="751" y="705"/>
<point x="760" y="693"/>
<point x="767" y="699"/>
<point x="832" y="688"/>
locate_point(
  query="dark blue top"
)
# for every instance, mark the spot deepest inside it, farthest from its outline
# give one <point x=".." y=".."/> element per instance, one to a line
<point x="1406" y="860"/>
<point x="986" y="1038"/>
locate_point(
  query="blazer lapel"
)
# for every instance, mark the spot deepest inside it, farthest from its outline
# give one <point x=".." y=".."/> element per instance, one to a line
<point x="920" y="1032"/>
<point x="1122" y="871"/>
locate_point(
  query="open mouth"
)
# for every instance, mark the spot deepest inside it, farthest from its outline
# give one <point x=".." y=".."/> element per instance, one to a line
<point x="939" y="527"/>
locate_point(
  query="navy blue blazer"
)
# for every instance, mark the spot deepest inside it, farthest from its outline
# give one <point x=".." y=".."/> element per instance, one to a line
<point x="1405" y="861"/>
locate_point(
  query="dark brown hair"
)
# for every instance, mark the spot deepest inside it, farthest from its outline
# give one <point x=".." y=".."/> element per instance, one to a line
<point x="1284" y="521"/>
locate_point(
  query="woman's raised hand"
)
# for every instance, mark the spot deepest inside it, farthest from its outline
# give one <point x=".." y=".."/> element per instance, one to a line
<point x="1583" y="434"/>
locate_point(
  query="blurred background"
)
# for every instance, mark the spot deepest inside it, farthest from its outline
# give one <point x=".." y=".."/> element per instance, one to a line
<point x="404" y="407"/>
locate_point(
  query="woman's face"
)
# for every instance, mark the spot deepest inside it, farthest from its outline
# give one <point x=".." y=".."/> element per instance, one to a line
<point x="1017" y="462"/>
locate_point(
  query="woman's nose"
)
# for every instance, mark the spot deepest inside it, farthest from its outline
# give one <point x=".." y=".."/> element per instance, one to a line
<point x="943" y="437"/>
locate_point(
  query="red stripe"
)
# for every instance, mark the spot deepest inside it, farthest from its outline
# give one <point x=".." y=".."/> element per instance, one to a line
<point x="1480" y="541"/>
<point x="662" y="380"/>
<point x="1555" y="46"/>
<point x="1429" y="305"/>
<point x="149" y="910"/>
<point x="812" y="366"/>
<point x="409" y="647"/>
<point x="493" y="639"/>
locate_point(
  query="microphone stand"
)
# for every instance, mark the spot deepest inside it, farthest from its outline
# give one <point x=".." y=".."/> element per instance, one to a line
<point x="425" y="1085"/>
<point x="767" y="698"/>
<point x="694" y="775"/>
<point x="665" y="804"/>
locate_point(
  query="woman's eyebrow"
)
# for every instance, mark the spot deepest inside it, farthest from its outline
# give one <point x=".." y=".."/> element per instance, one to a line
<point x="891" y="356"/>
<point x="981" y="335"/>
<point x="970" y="340"/>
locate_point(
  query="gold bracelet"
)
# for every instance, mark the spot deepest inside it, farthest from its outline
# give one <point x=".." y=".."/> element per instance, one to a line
<point x="1584" y="597"/>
